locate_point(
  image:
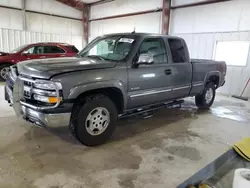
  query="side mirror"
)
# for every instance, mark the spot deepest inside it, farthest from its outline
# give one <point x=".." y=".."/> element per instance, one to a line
<point x="26" y="53"/>
<point x="145" y="59"/>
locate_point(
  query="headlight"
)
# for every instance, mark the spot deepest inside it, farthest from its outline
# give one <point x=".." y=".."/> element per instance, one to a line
<point x="45" y="99"/>
<point x="48" y="85"/>
<point x="44" y="91"/>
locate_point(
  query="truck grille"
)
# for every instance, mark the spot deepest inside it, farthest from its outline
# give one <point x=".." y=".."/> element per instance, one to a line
<point x="27" y="83"/>
<point x="27" y="94"/>
<point x="27" y="86"/>
<point x="28" y="89"/>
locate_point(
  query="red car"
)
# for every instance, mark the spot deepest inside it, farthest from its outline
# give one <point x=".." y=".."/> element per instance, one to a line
<point x="34" y="51"/>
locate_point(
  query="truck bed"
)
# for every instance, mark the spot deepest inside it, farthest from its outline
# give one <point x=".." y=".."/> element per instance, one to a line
<point x="205" y="61"/>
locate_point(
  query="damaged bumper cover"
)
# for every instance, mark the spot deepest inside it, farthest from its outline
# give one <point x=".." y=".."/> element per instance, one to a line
<point x="42" y="117"/>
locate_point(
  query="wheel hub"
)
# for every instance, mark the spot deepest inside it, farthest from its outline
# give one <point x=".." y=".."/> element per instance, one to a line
<point x="4" y="71"/>
<point x="209" y="95"/>
<point x="97" y="121"/>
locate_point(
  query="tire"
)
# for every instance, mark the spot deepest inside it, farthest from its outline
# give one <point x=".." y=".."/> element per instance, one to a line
<point x="206" y="98"/>
<point x="85" y="115"/>
<point x="3" y="69"/>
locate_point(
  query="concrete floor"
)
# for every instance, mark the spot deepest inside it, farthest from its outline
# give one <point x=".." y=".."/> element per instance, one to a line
<point x="158" y="152"/>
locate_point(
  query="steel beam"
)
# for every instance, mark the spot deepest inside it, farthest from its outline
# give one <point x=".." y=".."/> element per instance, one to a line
<point x="166" y="4"/>
<point x="24" y="14"/>
<point x="85" y="23"/>
<point x="77" y="4"/>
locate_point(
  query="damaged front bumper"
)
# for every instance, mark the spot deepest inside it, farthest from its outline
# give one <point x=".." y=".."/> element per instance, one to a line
<point x="43" y="119"/>
<point x="33" y="114"/>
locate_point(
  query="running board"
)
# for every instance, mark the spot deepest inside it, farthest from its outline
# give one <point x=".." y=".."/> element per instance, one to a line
<point x="148" y="112"/>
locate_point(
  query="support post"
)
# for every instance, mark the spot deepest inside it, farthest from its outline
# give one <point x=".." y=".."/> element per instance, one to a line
<point x="165" y="16"/>
<point x="24" y="14"/>
<point x="85" y="23"/>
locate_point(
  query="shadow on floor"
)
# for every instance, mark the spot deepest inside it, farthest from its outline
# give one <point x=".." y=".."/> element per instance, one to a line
<point x="133" y="126"/>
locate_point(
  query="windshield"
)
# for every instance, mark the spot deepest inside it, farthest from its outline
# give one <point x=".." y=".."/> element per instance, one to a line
<point x="114" y="48"/>
<point x="20" y="48"/>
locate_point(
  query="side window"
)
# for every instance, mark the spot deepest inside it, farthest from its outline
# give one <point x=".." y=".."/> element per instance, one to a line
<point x="155" y="47"/>
<point x="38" y="50"/>
<point x="53" y="50"/>
<point x="30" y="50"/>
<point x="35" y="50"/>
<point x="177" y="50"/>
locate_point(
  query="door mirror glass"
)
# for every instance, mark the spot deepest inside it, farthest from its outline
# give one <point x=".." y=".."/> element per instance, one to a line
<point x="26" y="52"/>
<point x="145" y="59"/>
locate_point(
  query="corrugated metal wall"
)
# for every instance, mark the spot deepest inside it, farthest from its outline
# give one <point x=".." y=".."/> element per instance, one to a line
<point x="11" y="39"/>
<point x="150" y="22"/>
<point x="38" y="25"/>
<point x="201" y="45"/>
<point x="139" y="23"/>
<point x="202" y="26"/>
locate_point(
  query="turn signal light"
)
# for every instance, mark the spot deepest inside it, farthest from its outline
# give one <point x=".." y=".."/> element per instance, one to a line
<point x="53" y="99"/>
<point x="46" y="99"/>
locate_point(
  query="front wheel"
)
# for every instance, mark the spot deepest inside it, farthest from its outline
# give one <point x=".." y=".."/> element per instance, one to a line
<point x="206" y="98"/>
<point x="3" y="71"/>
<point x="95" y="120"/>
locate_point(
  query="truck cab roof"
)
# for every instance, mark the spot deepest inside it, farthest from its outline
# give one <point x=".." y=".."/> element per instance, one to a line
<point x="143" y="35"/>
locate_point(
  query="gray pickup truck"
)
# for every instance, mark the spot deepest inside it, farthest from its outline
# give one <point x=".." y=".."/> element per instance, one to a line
<point x="113" y="76"/>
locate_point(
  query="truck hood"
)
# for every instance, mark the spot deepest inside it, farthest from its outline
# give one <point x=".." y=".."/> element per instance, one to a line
<point x="46" y="68"/>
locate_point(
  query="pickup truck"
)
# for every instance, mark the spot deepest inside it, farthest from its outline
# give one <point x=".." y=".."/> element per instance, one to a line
<point x="114" y="75"/>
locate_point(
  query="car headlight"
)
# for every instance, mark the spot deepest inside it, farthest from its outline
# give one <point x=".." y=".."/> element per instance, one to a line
<point x="48" y="85"/>
<point x="46" y="99"/>
<point x="44" y="91"/>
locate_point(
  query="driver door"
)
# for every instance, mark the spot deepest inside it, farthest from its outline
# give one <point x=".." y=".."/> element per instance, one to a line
<point x="149" y="83"/>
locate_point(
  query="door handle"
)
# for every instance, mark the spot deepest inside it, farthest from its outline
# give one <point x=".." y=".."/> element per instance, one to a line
<point x="42" y="57"/>
<point x="168" y="71"/>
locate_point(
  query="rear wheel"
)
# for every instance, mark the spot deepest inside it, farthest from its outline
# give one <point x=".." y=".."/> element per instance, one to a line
<point x="206" y="98"/>
<point x="4" y="68"/>
<point x="95" y="120"/>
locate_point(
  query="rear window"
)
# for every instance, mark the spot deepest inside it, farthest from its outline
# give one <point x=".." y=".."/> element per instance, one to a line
<point x="53" y="50"/>
<point x="177" y="50"/>
<point x="73" y="49"/>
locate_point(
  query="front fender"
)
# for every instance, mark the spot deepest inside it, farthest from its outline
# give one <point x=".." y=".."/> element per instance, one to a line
<point x="78" y="90"/>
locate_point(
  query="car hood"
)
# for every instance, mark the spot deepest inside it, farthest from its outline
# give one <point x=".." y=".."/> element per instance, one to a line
<point x="47" y="68"/>
<point x="3" y="54"/>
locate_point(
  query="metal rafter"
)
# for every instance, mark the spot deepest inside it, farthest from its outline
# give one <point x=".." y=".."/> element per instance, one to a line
<point x="77" y="4"/>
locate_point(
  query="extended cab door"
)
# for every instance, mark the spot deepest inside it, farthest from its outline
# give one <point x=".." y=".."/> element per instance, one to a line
<point x="181" y="68"/>
<point x="149" y="83"/>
